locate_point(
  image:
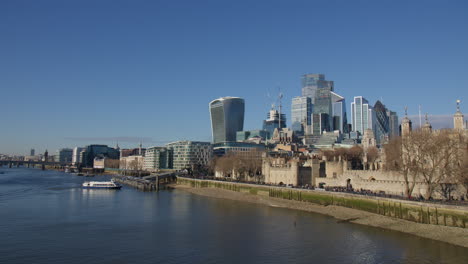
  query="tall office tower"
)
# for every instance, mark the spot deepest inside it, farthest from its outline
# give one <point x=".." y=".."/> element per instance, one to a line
<point x="319" y="90"/>
<point x="382" y="122"/>
<point x="301" y="111"/>
<point x="312" y="82"/>
<point x="274" y="121"/>
<point x="393" y="124"/>
<point x="227" y="117"/>
<point x="362" y="115"/>
<point x="32" y="152"/>
<point x="340" y="120"/>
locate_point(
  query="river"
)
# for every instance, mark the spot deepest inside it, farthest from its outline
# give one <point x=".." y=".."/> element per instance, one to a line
<point x="46" y="217"/>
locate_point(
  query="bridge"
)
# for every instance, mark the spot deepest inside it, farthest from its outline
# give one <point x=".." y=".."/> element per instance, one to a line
<point x="31" y="164"/>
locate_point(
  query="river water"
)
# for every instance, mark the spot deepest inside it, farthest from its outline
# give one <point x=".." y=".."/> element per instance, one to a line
<point x="45" y="217"/>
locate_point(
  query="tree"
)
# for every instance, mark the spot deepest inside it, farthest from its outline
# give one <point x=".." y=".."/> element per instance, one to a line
<point x="372" y="153"/>
<point x="398" y="159"/>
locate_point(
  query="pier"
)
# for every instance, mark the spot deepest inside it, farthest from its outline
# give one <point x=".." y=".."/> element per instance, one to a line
<point x="148" y="183"/>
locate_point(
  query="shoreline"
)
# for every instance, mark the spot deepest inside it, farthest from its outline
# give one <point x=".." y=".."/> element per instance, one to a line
<point x="452" y="235"/>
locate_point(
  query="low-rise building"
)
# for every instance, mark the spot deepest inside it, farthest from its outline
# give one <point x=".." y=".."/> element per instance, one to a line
<point x="290" y="171"/>
<point x="134" y="163"/>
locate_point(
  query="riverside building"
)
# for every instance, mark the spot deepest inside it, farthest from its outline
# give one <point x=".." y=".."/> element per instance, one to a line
<point x="186" y="154"/>
<point x="64" y="155"/>
<point x="157" y="158"/>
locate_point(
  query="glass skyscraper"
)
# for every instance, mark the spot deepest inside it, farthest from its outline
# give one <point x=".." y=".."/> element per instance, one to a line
<point x="227" y="117"/>
<point x="320" y="91"/>
<point x="312" y="82"/>
<point x="393" y="124"/>
<point x="301" y="111"/>
<point x="362" y="115"/>
<point x="339" y="117"/>
<point x="382" y="122"/>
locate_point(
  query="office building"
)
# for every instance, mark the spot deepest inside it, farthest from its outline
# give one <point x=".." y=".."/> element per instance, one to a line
<point x="362" y="115"/>
<point x="274" y="120"/>
<point x="382" y="123"/>
<point x="246" y="135"/>
<point x="103" y="151"/>
<point x="301" y="111"/>
<point x="64" y="155"/>
<point x="227" y="117"/>
<point x="157" y="158"/>
<point x="312" y="82"/>
<point x="339" y="116"/>
<point x="320" y="123"/>
<point x="393" y="124"/>
<point x="32" y="152"/>
<point x="77" y="154"/>
<point x="186" y="154"/>
<point x="238" y="148"/>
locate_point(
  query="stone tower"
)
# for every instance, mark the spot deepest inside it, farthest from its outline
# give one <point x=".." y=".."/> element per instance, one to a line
<point x="368" y="140"/>
<point x="427" y="126"/>
<point x="406" y="124"/>
<point x="458" y="122"/>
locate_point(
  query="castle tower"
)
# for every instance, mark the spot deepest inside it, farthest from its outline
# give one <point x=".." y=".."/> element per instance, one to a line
<point x="427" y="127"/>
<point x="406" y="124"/>
<point x="368" y="140"/>
<point x="458" y="122"/>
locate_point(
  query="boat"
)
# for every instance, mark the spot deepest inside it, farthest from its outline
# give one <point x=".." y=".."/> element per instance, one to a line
<point x="89" y="175"/>
<point x="101" y="185"/>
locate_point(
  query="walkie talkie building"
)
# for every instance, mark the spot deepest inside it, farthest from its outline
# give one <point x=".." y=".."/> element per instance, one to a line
<point x="227" y="117"/>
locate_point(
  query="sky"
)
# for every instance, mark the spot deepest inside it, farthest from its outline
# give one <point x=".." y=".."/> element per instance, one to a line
<point x="74" y="73"/>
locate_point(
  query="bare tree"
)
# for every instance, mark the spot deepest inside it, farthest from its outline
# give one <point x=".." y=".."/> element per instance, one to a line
<point x="398" y="159"/>
<point x="372" y="153"/>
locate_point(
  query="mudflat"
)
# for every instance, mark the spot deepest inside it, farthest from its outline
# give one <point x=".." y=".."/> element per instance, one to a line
<point x="453" y="235"/>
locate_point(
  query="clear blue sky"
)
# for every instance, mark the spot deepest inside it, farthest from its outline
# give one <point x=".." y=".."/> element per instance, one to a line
<point x="80" y="72"/>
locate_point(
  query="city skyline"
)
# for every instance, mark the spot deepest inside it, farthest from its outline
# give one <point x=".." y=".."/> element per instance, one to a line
<point x="67" y="84"/>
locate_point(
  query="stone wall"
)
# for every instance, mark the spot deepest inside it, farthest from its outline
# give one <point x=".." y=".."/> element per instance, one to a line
<point x="374" y="180"/>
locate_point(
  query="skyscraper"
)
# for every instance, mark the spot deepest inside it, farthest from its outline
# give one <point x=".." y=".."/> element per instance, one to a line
<point x="32" y="152"/>
<point x="362" y="115"/>
<point x="339" y="116"/>
<point x="320" y="91"/>
<point x="393" y="124"/>
<point x="301" y="111"/>
<point x="227" y="117"/>
<point x="382" y="122"/>
<point x="312" y="82"/>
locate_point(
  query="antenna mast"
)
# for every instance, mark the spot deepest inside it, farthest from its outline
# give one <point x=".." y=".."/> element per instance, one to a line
<point x="280" y="96"/>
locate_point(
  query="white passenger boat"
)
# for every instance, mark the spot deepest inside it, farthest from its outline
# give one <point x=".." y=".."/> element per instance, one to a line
<point x="101" y="185"/>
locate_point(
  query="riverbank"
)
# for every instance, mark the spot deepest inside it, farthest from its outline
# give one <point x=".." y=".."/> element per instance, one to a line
<point x="452" y="235"/>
